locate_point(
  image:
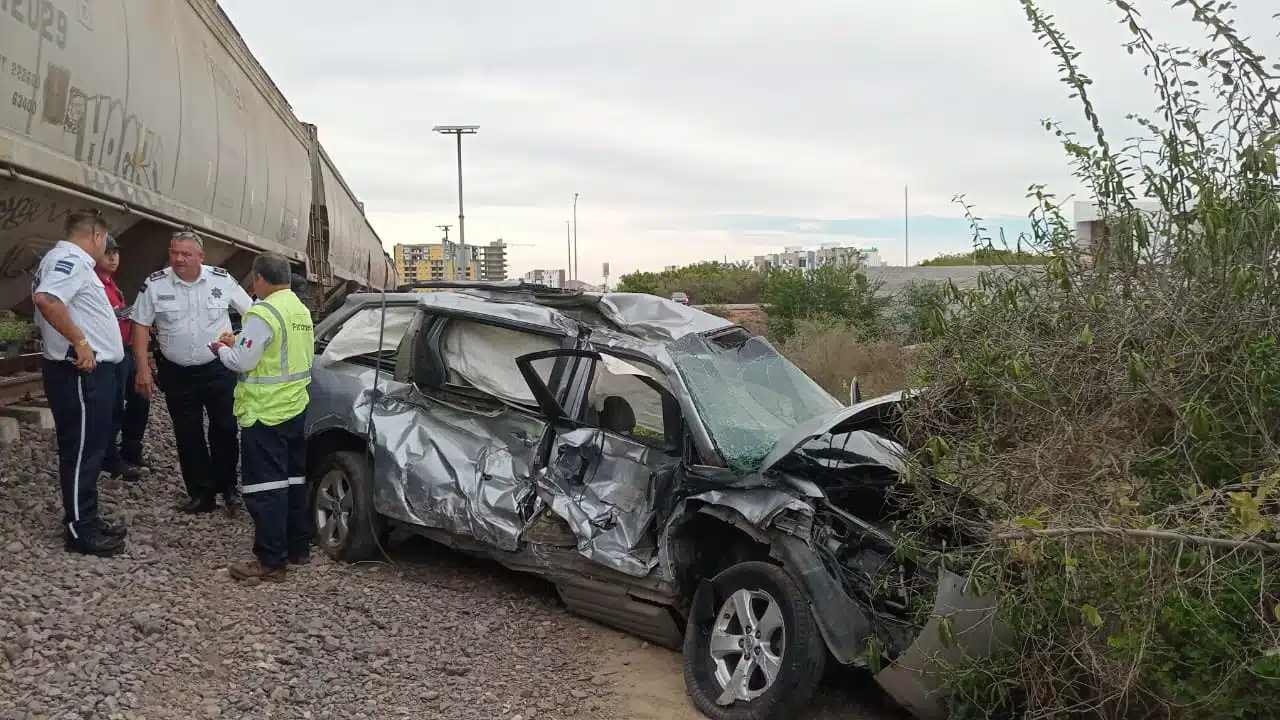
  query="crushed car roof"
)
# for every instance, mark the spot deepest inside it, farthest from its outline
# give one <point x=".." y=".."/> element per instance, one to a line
<point x="642" y="316"/>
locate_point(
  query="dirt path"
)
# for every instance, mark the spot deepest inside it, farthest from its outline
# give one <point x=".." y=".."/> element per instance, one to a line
<point x="648" y="684"/>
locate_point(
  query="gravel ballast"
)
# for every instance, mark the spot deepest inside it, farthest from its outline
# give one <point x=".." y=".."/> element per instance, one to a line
<point x="161" y="631"/>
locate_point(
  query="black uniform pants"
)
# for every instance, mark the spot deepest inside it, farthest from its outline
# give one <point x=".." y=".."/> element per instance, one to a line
<point x="275" y="491"/>
<point x="82" y="406"/>
<point x="131" y="413"/>
<point x="190" y="392"/>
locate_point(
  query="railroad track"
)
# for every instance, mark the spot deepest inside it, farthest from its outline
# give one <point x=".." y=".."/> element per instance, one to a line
<point x="20" y="379"/>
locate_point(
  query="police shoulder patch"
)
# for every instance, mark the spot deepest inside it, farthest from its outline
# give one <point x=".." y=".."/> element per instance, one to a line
<point x="219" y="272"/>
<point x="156" y="275"/>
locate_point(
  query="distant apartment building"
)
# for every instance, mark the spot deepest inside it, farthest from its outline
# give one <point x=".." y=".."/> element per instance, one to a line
<point x="444" y="260"/>
<point x="798" y="258"/>
<point x="550" y="278"/>
<point x="493" y="261"/>
<point x="1092" y="234"/>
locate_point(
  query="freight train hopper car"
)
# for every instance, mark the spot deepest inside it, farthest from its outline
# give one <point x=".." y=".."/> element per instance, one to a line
<point x="156" y="113"/>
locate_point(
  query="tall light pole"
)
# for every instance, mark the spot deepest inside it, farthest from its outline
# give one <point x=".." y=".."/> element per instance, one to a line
<point x="458" y="131"/>
<point x="568" y="245"/>
<point x="906" y="225"/>
<point x="575" y="236"/>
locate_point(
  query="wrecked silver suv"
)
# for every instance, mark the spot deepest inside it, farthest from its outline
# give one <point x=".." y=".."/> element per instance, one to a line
<point x="672" y="475"/>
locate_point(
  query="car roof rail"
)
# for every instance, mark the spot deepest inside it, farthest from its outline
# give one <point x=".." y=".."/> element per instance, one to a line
<point x="498" y="286"/>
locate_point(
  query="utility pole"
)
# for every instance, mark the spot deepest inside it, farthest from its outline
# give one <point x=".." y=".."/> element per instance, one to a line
<point x="445" y="228"/>
<point x="458" y="131"/>
<point x="575" y="236"/>
<point x="906" y="227"/>
<point x="568" y="243"/>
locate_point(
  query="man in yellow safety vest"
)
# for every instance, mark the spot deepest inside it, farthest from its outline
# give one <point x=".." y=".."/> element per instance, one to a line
<point x="272" y="355"/>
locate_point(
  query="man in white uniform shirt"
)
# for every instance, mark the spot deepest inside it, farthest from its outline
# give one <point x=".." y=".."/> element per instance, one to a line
<point x="188" y="304"/>
<point x="82" y="347"/>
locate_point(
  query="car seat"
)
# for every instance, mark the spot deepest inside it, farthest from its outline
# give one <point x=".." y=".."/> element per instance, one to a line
<point x="617" y="416"/>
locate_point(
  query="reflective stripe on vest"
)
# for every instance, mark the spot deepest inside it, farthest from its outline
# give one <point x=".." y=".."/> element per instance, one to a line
<point x="284" y="376"/>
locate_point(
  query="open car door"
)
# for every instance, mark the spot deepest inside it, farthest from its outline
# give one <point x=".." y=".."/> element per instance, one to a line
<point x="606" y="471"/>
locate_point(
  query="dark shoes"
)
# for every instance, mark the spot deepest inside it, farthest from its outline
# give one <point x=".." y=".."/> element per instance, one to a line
<point x="232" y="502"/>
<point x="110" y="530"/>
<point x="140" y="463"/>
<point x="303" y="559"/>
<point x="122" y="469"/>
<point x="199" y="506"/>
<point x="95" y="541"/>
<point x="254" y="570"/>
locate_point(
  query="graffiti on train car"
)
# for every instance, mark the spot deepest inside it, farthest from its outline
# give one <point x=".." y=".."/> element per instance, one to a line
<point x="111" y="138"/>
<point x="18" y="211"/>
<point x="39" y="16"/>
<point x="108" y="136"/>
<point x="222" y="79"/>
<point x="109" y="184"/>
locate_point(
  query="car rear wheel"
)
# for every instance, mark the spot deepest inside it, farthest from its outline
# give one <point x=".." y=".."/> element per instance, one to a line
<point x="346" y="526"/>
<point x="752" y="649"/>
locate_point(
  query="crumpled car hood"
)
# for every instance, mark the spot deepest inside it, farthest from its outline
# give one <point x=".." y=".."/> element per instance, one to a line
<point x="879" y="450"/>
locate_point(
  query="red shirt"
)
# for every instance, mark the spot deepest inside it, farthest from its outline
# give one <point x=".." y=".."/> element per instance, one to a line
<point x="117" y="303"/>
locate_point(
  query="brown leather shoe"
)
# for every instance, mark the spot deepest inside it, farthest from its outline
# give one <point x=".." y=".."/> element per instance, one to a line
<point x="254" y="570"/>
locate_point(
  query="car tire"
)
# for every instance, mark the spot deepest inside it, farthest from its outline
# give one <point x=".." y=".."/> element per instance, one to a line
<point x="342" y="493"/>
<point x="789" y="644"/>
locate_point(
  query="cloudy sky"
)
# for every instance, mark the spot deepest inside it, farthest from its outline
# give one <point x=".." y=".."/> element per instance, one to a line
<point x="697" y="129"/>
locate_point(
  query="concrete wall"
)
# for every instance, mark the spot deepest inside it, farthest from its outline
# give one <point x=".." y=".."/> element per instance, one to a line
<point x="896" y="278"/>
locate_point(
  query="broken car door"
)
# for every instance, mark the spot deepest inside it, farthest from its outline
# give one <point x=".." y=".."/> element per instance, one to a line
<point x="474" y="434"/>
<point x="613" y="456"/>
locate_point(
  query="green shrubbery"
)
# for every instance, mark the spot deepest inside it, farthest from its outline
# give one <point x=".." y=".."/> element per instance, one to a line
<point x="706" y="283"/>
<point x="14" y="328"/>
<point x="987" y="255"/>
<point x="838" y="295"/>
<point x="1119" y="414"/>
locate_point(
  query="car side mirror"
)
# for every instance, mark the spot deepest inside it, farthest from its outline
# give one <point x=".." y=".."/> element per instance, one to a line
<point x="855" y="392"/>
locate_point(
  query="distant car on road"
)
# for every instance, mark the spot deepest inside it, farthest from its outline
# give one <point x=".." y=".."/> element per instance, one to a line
<point x="680" y="297"/>
<point x="670" y="473"/>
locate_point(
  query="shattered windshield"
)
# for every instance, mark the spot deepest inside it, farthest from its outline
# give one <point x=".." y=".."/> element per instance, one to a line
<point x="748" y="395"/>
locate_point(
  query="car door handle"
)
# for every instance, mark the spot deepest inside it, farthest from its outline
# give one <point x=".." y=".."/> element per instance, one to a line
<point x="524" y="438"/>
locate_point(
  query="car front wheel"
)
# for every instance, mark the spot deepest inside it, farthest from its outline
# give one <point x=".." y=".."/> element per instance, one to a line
<point x="752" y="650"/>
<point x="346" y="526"/>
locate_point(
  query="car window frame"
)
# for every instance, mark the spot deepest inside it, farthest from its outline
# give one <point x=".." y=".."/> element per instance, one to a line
<point x="433" y="319"/>
<point x="570" y="418"/>
<point x="383" y="360"/>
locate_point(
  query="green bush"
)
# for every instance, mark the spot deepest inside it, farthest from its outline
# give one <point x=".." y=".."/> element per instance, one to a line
<point x="1117" y="412"/>
<point x="706" y="283"/>
<point x="988" y="255"/>
<point x="912" y="310"/>
<point x="14" y="328"/>
<point x="838" y="294"/>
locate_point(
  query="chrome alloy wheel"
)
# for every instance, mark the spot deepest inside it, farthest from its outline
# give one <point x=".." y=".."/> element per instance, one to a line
<point x="333" y="509"/>
<point x="747" y="642"/>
